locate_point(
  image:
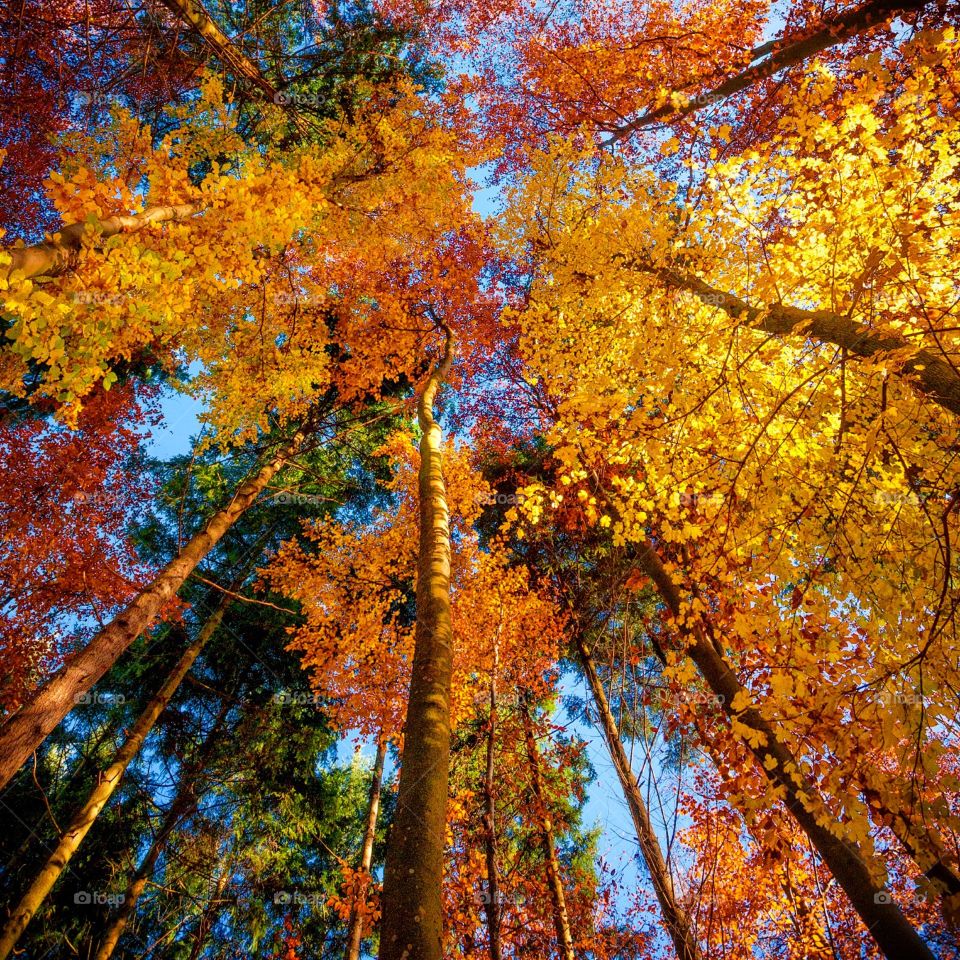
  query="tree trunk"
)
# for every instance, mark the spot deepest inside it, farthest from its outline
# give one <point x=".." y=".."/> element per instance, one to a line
<point x="674" y="915"/>
<point x="182" y="804"/>
<point x="192" y="13"/>
<point x="29" y="727"/>
<point x="932" y="374"/>
<point x="779" y="55"/>
<point x="209" y="915"/>
<point x="561" y="919"/>
<point x="355" y="928"/>
<point x="491" y="903"/>
<point x="101" y="793"/>
<point x="845" y="859"/>
<point x="54" y="257"/>
<point x="412" y="927"/>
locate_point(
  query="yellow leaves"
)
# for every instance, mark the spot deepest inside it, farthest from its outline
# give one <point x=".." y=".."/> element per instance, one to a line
<point x="346" y="217"/>
<point x="740" y="702"/>
<point x="755" y="738"/>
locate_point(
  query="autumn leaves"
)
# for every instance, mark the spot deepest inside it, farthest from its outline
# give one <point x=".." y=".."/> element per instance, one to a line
<point x="729" y="354"/>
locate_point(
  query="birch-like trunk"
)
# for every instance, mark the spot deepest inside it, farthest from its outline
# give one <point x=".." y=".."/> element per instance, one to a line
<point x="674" y="915"/>
<point x="558" y="899"/>
<point x="491" y="903"/>
<point x="355" y="927"/>
<point x="182" y="804"/>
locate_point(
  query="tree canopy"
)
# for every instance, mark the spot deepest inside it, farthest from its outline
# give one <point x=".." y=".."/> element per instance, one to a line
<point x="577" y="390"/>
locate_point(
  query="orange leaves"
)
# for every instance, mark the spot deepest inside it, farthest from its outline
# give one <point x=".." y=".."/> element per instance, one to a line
<point x="352" y="236"/>
<point x="356" y="582"/>
<point x="358" y="892"/>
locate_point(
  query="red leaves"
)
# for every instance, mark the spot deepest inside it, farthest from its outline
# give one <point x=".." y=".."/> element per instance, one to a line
<point x="65" y="562"/>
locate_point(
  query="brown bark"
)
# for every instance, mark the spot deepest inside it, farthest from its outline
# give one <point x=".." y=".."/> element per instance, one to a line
<point x="105" y="787"/>
<point x="850" y="866"/>
<point x="412" y="927"/>
<point x="355" y="927"/>
<point x="561" y="919"/>
<point x="209" y="915"/>
<point x="780" y="55"/>
<point x="181" y="805"/>
<point x="30" y="726"/>
<point x="933" y="375"/>
<point x="192" y="13"/>
<point x="674" y="915"/>
<point x="56" y="256"/>
<point x="491" y="903"/>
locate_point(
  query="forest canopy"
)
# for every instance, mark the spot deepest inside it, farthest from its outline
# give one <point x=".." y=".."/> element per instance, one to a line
<point x="480" y="479"/>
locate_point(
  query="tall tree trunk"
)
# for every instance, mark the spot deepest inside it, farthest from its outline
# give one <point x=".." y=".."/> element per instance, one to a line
<point x="558" y="899"/>
<point x="491" y="903"/>
<point x="101" y="793"/>
<point x="181" y="805"/>
<point x="845" y="859"/>
<point x="30" y="726"/>
<point x="207" y="919"/>
<point x="779" y="55"/>
<point x="51" y="258"/>
<point x="412" y="927"/>
<point x="355" y="927"/>
<point x="674" y="915"/>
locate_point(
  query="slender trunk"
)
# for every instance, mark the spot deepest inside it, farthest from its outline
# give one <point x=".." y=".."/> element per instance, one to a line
<point x="101" y="793"/>
<point x="853" y="869"/>
<point x="355" y="928"/>
<point x="209" y="915"/>
<point x="491" y="901"/>
<point x="412" y="927"/>
<point x="30" y="726"/>
<point x="924" y="846"/>
<point x="561" y="919"/>
<point x="779" y="55"/>
<point x="674" y="915"/>
<point x="193" y="14"/>
<point x="183" y="803"/>
<point x="108" y="731"/>
<point x="54" y="257"/>
<point x="930" y="371"/>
